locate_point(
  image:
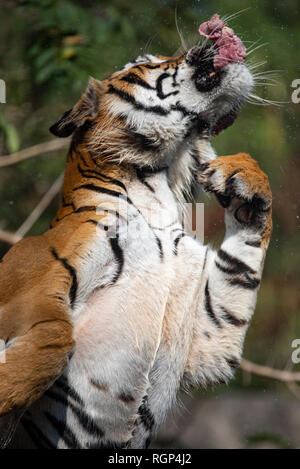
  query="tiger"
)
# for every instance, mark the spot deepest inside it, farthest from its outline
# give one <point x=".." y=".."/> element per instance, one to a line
<point x="116" y="308"/>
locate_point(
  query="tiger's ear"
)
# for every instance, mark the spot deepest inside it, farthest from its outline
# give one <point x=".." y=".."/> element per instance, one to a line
<point x="86" y="108"/>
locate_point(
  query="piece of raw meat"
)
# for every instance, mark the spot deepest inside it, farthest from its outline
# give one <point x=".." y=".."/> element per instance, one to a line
<point x="230" y="47"/>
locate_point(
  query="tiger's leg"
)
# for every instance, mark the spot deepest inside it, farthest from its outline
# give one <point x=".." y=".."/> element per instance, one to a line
<point x="231" y="276"/>
<point x="32" y="361"/>
<point x="205" y="325"/>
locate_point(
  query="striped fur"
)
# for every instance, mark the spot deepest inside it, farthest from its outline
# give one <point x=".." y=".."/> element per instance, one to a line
<point x="115" y="308"/>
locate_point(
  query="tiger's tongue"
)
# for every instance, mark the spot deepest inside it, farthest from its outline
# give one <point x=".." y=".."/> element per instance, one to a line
<point x="230" y="47"/>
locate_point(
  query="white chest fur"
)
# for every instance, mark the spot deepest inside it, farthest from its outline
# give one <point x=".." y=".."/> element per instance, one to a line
<point x="119" y="326"/>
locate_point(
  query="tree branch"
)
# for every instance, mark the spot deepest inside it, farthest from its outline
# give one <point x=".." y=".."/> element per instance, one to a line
<point x="40" y="208"/>
<point x="36" y="150"/>
<point x="267" y="372"/>
<point x="10" y="238"/>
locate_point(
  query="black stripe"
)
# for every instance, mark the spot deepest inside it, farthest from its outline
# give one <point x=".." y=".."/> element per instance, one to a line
<point x="159" y="89"/>
<point x="249" y="284"/>
<point x="233" y="362"/>
<point x="254" y="244"/>
<point x="64" y="432"/>
<point x="94" y="222"/>
<point x="93" y="174"/>
<point x="72" y="271"/>
<point x="126" y="397"/>
<point x="119" y="256"/>
<point x="205" y="259"/>
<point x="86" y="208"/>
<point x="245" y="282"/>
<point x="139" y="67"/>
<point x="68" y="389"/>
<point x="159" y="244"/>
<point x="85" y="420"/>
<point x="98" y="224"/>
<point x="185" y="112"/>
<point x="153" y="170"/>
<point x="78" y="153"/>
<point x="90" y="208"/>
<point x="37" y="436"/>
<point x="209" y="309"/>
<point x="136" y="80"/>
<point x="238" y="266"/>
<point x="146" y="415"/>
<point x="174" y="76"/>
<point x="142" y="178"/>
<point x="90" y="174"/>
<point x="64" y="216"/>
<point x="88" y="424"/>
<point x="129" y="98"/>
<point x="152" y="67"/>
<point x="65" y="204"/>
<point x="231" y="319"/>
<point x="176" y="241"/>
<point x="58" y="397"/>
<point x="103" y="190"/>
<point x="226" y="270"/>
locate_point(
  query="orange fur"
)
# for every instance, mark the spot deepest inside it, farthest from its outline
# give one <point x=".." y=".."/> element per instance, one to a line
<point x="34" y="288"/>
<point x="254" y="179"/>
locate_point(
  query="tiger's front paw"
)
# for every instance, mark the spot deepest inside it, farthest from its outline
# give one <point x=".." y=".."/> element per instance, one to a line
<point x="241" y="186"/>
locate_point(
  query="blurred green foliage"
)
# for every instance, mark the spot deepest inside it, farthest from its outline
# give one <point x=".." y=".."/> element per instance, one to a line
<point x="48" y="48"/>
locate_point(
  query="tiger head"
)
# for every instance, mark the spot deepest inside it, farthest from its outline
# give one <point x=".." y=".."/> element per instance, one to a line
<point x="152" y="111"/>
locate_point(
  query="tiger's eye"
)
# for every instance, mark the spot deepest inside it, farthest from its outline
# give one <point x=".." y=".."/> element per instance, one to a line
<point x="212" y="74"/>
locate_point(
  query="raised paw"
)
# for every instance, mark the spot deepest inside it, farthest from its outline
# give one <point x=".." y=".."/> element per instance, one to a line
<point x="238" y="182"/>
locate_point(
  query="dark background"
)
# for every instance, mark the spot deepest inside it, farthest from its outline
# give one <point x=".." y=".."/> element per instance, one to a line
<point x="48" y="49"/>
